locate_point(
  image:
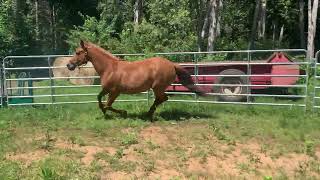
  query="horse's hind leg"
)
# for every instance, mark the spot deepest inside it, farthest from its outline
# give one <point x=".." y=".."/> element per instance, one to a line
<point x="112" y="97"/>
<point x="161" y="97"/>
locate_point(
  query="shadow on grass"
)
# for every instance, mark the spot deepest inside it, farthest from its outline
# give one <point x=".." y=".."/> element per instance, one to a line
<point x="167" y="115"/>
<point x="182" y="115"/>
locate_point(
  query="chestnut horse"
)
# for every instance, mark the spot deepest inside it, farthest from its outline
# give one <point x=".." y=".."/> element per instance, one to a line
<point x="118" y="76"/>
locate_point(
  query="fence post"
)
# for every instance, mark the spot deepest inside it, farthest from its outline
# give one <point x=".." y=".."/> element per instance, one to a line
<point x="248" y="76"/>
<point x="314" y="65"/>
<point x="1" y="84"/>
<point x="52" y="89"/>
<point x="309" y="62"/>
<point x="196" y="73"/>
<point x="5" y="99"/>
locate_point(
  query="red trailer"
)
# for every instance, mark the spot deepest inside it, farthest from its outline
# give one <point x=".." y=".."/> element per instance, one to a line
<point x="222" y="73"/>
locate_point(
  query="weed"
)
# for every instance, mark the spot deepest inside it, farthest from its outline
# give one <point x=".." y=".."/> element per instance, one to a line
<point x="218" y="132"/>
<point x="254" y="158"/>
<point x="281" y="175"/>
<point x="115" y="161"/>
<point x="129" y="139"/>
<point x="95" y="166"/>
<point x="47" y="143"/>
<point x="244" y="167"/>
<point x="152" y="146"/>
<point x="119" y="153"/>
<point x="140" y="151"/>
<point x="76" y="140"/>
<point x="267" y="177"/>
<point x="149" y="166"/>
<point x="49" y="174"/>
<point x="202" y="154"/>
<point x="314" y="166"/>
<point x="264" y="148"/>
<point x="309" y="148"/>
<point x="302" y="168"/>
<point x="117" y="165"/>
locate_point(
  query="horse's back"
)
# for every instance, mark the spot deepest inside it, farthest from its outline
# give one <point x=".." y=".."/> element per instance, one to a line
<point x="156" y="72"/>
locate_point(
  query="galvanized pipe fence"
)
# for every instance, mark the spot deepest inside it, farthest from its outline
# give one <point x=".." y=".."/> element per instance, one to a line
<point x="39" y="86"/>
<point x="316" y="84"/>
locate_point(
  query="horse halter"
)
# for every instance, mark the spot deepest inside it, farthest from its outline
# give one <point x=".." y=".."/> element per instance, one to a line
<point x="86" y="58"/>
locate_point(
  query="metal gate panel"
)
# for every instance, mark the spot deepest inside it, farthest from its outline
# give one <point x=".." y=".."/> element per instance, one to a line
<point x="47" y="88"/>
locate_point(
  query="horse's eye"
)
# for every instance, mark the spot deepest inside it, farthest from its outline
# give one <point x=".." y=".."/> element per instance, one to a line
<point x="77" y="53"/>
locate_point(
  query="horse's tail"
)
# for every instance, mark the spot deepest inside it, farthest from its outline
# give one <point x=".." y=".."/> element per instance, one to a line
<point x="186" y="80"/>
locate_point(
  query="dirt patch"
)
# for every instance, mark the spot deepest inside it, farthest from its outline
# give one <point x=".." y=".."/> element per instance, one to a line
<point x="247" y="160"/>
<point x="164" y="170"/>
<point x="155" y="135"/>
<point x="29" y="157"/>
<point x="114" y="175"/>
<point x="89" y="151"/>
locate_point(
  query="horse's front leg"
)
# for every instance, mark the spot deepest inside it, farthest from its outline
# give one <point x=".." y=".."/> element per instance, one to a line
<point x="112" y="97"/>
<point x="99" y="97"/>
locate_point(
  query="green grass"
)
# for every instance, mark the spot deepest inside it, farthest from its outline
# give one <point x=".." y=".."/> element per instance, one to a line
<point x="28" y="129"/>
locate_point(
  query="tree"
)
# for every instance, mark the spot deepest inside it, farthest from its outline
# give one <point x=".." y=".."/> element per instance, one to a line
<point x="138" y="11"/>
<point x="312" y="25"/>
<point x="301" y="24"/>
<point x="214" y="7"/>
<point x="262" y="20"/>
<point x="254" y="24"/>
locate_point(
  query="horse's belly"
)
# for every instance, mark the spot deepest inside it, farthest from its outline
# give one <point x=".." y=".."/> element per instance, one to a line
<point x="133" y="89"/>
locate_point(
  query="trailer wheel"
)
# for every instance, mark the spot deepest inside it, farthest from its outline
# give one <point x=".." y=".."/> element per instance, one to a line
<point x="231" y="93"/>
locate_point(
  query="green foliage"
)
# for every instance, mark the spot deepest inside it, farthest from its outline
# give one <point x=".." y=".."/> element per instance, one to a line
<point x="52" y="27"/>
<point x="92" y="30"/>
<point x="49" y="174"/>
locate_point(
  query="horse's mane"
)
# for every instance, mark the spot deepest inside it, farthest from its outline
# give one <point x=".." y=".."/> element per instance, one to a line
<point x="104" y="51"/>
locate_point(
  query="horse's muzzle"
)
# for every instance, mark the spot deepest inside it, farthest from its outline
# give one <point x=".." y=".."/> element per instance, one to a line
<point x="71" y="66"/>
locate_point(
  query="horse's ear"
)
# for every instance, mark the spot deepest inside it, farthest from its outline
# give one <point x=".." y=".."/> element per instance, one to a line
<point x="82" y="45"/>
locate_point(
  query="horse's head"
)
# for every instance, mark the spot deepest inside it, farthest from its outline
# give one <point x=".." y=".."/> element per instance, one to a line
<point x="79" y="58"/>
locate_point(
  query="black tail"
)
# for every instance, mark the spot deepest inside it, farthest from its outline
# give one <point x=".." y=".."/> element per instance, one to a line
<point x="186" y="80"/>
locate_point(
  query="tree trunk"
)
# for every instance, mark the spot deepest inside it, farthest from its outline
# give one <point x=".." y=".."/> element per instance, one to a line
<point x="54" y="31"/>
<point x="200" y="20"/>
<point x="281" y="35"/>
<point x="262" y="21"/>
<point x="312" y="25"/>
<point x="206" y="20"/>
<point x="37" y="19"/>
<point x="254" y="26"/>
<point x="137" y="12"/>
<point x="219" y="18"/>
<point x="301" y="24"/>
<point x="274" y="27"/>
<point x="18" y="7"/>
<point x="213" y="24"/>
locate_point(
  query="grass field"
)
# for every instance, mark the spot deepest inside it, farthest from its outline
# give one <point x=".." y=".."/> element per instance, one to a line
<point x="187" y="141"/>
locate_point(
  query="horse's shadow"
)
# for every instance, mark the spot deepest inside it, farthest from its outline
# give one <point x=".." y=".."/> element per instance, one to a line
<point x="181" y="115"/>
<point x="166" y="115"/>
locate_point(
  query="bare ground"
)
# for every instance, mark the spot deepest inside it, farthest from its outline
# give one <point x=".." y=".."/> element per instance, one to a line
<point x="183" y="152"/>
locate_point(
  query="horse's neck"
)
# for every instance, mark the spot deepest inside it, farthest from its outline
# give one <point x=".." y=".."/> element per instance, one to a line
<point x="103" y="63"/>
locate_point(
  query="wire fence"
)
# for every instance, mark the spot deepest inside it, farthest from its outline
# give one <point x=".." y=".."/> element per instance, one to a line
<point x="252" y="77"/>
